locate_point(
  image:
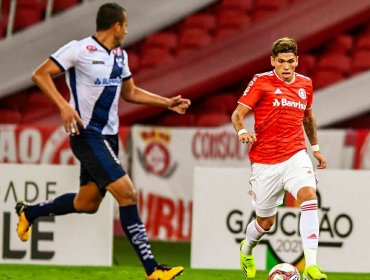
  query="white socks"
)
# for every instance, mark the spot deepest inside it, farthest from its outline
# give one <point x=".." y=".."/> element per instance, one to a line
<point x="254" y="235"/>
<point x="309" y="230"/>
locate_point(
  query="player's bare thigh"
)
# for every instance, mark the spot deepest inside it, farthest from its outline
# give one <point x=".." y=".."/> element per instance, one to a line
<point x="88" y="198"/>
<point x="123" y="190"/>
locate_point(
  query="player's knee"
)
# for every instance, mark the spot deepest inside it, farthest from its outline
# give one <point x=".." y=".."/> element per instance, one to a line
<point x="306" y="193"/>
<point x="87" y="208"/>
<point x="130" y="196"/>
<point x="266" y="223"/>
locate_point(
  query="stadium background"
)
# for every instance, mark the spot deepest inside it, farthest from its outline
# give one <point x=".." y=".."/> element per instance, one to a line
<point x="206" y="51"/>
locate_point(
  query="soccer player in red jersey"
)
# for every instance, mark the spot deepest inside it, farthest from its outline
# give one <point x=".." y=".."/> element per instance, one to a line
<point x="281" y="101"/>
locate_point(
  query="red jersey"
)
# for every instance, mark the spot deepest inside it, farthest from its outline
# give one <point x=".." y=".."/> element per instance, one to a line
<point x="278" y="109"/>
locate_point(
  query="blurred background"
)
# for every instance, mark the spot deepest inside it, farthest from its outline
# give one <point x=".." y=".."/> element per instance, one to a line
<point x="205" y="50"/>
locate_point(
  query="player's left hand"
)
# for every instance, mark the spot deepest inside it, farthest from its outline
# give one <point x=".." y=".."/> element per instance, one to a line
<point x="179" y="104"/>
<point x="321" y="159"/>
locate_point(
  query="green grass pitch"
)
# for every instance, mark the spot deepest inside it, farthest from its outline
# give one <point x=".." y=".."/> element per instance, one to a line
<point x="127" y="267"/>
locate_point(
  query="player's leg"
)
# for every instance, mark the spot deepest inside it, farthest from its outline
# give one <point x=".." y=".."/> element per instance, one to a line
<point x="256" y="229"/>
<point x="87" y="200"/>
<point x="300" y="181"/>
<point x="124" y="192"/>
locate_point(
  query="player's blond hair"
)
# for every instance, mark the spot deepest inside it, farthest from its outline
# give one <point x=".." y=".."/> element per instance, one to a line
<point x="284" y="45"/>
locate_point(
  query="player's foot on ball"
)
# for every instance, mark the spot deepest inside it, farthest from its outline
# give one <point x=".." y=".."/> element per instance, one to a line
<point x="24" y="226"/>
<point x="313" y="272"/>
<point x="162" y="272"/>
<point x="247" y="263"/>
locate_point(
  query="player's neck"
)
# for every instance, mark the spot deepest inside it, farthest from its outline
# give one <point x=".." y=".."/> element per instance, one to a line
<point x="106" y="39"/>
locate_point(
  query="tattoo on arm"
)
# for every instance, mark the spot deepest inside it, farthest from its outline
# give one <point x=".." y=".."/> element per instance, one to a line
<point x="309" y="124"/>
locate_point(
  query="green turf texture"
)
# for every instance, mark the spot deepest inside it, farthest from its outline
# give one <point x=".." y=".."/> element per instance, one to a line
<point x="127" y="267"/>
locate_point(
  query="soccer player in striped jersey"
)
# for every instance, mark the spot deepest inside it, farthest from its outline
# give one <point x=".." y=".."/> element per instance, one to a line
<point x="97" y="74"/>
<point x="281" y="101"/>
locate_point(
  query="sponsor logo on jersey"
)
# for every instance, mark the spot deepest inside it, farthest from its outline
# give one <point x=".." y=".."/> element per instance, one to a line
<point x="91" y="48"/>
<point x="302" y="93"/>
<point x="287" y="103"/>
<point x="97" y="62"/>
<point x="108" y="82"/>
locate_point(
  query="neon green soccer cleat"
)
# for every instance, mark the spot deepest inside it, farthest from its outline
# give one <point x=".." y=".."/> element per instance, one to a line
<point x="24" y="226"/>
<point x="247" y="263"/>
<point x="313" y="272"/>
<point x="165" y="273"/>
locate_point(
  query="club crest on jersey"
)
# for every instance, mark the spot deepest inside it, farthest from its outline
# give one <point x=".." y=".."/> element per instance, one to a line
<point x="119" y="61"/>
<point x="91" y="48"/>
<point x="302" y="93"/>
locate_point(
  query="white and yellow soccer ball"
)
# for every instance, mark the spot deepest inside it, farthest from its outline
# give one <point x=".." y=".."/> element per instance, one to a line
<point x="284" y="271"/>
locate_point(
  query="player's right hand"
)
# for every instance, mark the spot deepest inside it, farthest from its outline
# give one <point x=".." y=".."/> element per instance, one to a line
<point x="70" y="119"/>
<point x="248" y="138"/>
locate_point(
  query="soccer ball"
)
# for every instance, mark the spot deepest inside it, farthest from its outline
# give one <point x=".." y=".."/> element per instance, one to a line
<point x="284" y="271"/>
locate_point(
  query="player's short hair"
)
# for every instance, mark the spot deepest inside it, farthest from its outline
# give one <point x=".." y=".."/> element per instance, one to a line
<point x="108" y="14"/>
<point x="284" y="45"/>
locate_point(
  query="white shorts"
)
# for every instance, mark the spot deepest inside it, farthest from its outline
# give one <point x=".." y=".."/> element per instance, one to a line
<point x="270" y="181"/>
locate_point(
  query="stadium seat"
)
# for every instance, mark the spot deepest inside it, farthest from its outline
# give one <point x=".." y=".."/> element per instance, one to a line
<point x="222" y="102"/>
<point x="232" y="19"/>
<point x="336" y="62"/>
<point x="194" y="38"/>
<point x="240" y="5"/>
<point x="172" y="119"/>
<point x="3" y="26"/>
<point x="61" y="5"/>
<point x="363" y="42"/>
<point x="210" y="119"/>
<point x="166" y="40"/>
<point x="360" y="61"/>
<point x="324" y="78"/>
<point x="27" y="15"/>
<point x="223" y="32"/>
<point x="204" y="21"/>
<point x="8" y="116"/>
<point x="262" y="14"/>
<point x="153" y="57"/>
<point x="133" y="61"/>
<point x="341" y="44"/>
<point x="270" y="4"/>
<point x="306" y="64"/>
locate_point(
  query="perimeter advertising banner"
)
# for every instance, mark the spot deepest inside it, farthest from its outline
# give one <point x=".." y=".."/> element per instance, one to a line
<point x="75" y="239"/>
<point x="222" y="210"/>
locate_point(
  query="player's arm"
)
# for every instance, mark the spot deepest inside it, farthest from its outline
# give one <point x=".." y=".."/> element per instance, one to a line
<point x="131" y="93"/>
<point x="309" y="124"/>
<point x="43" y="78"/>
<point x="237" y="119"/>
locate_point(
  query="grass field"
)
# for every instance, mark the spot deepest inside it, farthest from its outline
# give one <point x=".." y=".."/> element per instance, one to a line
<point x="127" y="267"/>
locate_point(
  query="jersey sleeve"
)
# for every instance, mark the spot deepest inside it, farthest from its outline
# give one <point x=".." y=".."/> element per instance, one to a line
<point x="65" y="57"/>
<point x="252" y="94"/>
<point x="309" y="95"/>
<point x="126" y="73"/>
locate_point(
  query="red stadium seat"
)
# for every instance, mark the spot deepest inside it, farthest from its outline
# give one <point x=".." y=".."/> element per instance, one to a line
<point x="27" y="15"/>
<point x="203" y="21"/>
<point x="336" y="62"/>
<point x="223" y="32"/>
<point x="166" y="40"/>
<point x="8" y="116"/>
<point x="360" y="61"/>
<point x="241" y="5"/>
<point x="325" y="78"/>
<point x="3" y="26"/>
<point x="61" y="5"/>
<point x="194" y="38"/>
<point x="211" y="119"/>
<point x="363" y="42"/>
<point x="270" y="4"/>
<point x="306" y="64"/>
<point x="153" y="57"/>
<point x="223" y="102"/>
<point x="232" y="19"/>
<point x="262" y="14"/>
<point x="341" y="44"/>
<point x="173" y="119"/>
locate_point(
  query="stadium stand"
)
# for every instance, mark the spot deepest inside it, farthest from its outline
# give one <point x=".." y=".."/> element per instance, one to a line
<point x="220" y="34"/>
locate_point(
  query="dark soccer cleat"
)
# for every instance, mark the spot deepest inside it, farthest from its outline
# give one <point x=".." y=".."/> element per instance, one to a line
<point x="24" y="226"/>
<point x="162" y="272"/>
